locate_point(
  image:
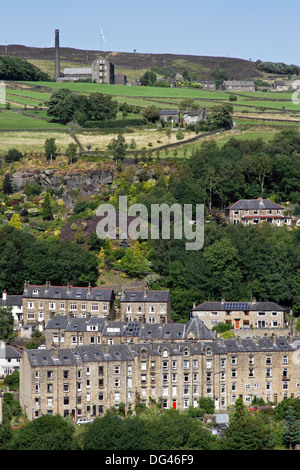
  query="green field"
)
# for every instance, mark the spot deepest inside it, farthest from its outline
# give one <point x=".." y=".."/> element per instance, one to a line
<point x="255" y="114"/>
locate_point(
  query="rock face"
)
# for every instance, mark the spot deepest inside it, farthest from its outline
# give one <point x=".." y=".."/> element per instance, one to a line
<point x="88" y="183"/>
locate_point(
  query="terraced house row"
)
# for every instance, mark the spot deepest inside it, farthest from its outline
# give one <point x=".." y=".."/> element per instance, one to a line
<point x="87" y="380"/>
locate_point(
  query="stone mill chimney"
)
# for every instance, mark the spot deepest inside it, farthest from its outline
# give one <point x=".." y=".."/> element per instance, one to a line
<point x="57" y="55"/>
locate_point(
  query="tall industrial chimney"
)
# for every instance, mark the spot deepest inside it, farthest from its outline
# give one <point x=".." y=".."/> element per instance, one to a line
<point x="57" y="57"/>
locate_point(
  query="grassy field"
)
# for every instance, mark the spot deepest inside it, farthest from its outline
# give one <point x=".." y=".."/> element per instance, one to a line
<point x="31" y="96"/>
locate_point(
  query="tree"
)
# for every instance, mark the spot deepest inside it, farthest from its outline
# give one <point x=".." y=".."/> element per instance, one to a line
<point x="15" y="221"/>
<point x="45" y="433"/>
<point x="151" y="113"/>
<point x="220" y="76"/>
<point x="100" y="107"/>
<point x="118" y="147"/>
<point x="47" y="208"/>
<point x="220" y="117"/>
<point x="63" y="104"/>
<point x="13" y="155"/>
<point x="6" y="324"/>
<point x="7" y="185"/>
<point x="246" y="432"/>
<point x="50" y="148"/>
<point x="71" y="153"/>
<point x="148" y="79"/>
<point x="291" y="429"/>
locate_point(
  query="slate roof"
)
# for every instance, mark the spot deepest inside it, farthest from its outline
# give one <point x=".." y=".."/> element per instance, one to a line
<point x="169" y="112"/>
<point x="250" y="204"/>
<point x="199" y="329"/>
<point x="145" y="296"/>
<point x="78" y="71"/>
<point x="239" y="83"/>
<point x="148" y="331"/>
<point x="245" y="306"/>
<point x="12" y="352"/>
<point x="75" y="293"/>
<point x="117" y="352"/>
<point x="122" y="352"/>
<point x="12" y="301"/>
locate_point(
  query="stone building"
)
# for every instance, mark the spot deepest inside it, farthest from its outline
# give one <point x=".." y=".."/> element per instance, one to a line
<point x="150" y="306"/>
<point x="241" y="314"/>
<point x="101" y="71"/>
<point x="238" y="85"/>
<point x="170" y="115"/>
<point x="86" y="381"/>
<point x="193" y="117"/>
<point x="42" y="302"/>
<point x="254" y="211"/>
<point x="208" y="85"/>
<point x="69" y="333"/>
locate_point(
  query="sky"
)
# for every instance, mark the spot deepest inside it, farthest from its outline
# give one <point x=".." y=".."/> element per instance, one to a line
<point x="264" y="30"/>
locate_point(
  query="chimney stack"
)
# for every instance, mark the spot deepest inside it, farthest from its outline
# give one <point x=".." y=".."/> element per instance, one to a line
<point x="57" y="55"/>
<point x="4" y="295"/>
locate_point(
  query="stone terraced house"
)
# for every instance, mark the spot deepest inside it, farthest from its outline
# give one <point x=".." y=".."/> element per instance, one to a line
<point x="42" y="302"/>
<point x="150" y="306"/>
<point x="241" y="314"/>
<point x="68" y="333"/>
<point x="87" y="380"/>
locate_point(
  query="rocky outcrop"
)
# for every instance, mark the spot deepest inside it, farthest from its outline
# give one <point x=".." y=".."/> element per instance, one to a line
<point x="87" y="184"/>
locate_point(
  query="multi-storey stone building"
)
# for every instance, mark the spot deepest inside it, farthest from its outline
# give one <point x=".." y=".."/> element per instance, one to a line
<point x="42" y="302"/>
<point x="254" y="211"/>
<point x="241" y="314"/>
<point x="88" y="380"/>
<point x="150" y="306"/>
<point x="69" y="333"/>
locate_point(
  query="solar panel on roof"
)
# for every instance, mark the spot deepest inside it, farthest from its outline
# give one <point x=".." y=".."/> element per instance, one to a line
<point x="236" y="306"/>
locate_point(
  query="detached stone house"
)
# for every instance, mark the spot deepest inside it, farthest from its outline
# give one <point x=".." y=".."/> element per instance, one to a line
<point x="42" y="302"/>
<point x="148" y="306"/>
<point x="208" y="85"/>
<point x="284" y="85"/>
<point x="236" y="85"/>
<point x="192" y="117"/>
<point x="255" y="211"/>
<point x="241" y="314"/>
<point x="170" y="115"/>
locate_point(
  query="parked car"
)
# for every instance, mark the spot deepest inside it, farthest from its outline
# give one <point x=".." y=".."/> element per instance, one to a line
<point x="84" y="421"/>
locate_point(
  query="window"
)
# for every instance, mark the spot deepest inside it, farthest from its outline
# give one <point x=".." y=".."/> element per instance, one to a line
<point x="117" y="382"/>
<point x="117" y="369"/>
<point x="83" y="306"/>
<point x="41" y="304"/>
<point x="105" y="308"/>
<point x="62" y="305"/>
<point x="95" y="307"/>
<point x="52" y="305"/>
<point x="73" y="306"/>
<point x="30" y="304"/>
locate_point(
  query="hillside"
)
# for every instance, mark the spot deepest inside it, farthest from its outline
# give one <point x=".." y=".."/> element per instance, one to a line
<point x="202" y="67"/>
